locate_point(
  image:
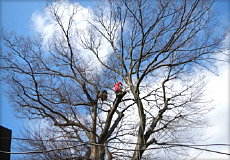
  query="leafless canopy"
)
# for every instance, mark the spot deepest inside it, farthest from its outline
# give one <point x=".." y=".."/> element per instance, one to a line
<point x="156" y="47"/>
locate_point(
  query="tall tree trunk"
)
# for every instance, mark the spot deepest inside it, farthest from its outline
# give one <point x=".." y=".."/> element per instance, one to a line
<point x="94" y="148"/>
<point x="97" y="152"/>
<point x="101" y="153"/>
<point x="141" y="144"/>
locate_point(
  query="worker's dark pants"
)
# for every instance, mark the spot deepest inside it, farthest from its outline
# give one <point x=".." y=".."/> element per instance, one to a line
<point x="118" y="91"/>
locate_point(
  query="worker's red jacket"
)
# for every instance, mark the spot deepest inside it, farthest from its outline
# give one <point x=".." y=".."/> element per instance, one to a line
<point x="117" y="86"/>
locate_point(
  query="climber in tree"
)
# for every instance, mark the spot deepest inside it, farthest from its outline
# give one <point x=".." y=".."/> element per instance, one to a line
<point x="118" y="88"/>
<point x="103" y="95"/>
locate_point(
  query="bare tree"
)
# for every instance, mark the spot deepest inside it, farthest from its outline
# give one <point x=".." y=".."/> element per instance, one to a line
<point x="57" y="84"/>
<point x="49" y="142"/>
<point x="156" y="47"/>
<point x="160" y="42"/>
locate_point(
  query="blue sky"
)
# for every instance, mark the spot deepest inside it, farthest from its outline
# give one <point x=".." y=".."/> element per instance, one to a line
<point x="16" y="16"/>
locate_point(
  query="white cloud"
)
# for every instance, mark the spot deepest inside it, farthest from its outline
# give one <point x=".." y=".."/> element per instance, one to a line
<point x="218" y="91"/>
<point x="45" y="24"/>
<point x="219" y="117"/>
<point x="38" y="22"/>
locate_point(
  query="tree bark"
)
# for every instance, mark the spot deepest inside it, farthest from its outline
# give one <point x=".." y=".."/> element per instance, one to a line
<point x="141" y="144"/>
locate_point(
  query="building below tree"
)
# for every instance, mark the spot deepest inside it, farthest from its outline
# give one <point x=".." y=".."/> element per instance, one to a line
<point x="5" y="142"/>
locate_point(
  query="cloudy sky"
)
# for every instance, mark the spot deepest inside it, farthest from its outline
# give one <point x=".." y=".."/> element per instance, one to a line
<point x="29" y="17"/>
